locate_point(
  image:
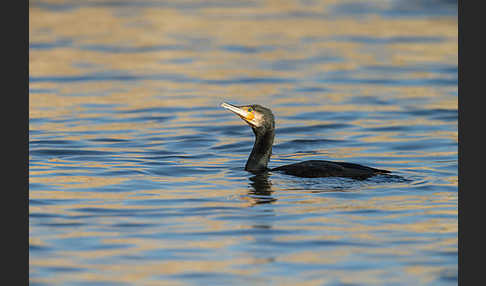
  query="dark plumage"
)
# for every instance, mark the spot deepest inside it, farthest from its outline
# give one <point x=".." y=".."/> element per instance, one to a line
<point x="321" y="168"/>
<point x="262" y="122"/>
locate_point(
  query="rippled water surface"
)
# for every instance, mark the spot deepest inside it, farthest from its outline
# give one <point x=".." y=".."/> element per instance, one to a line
<point x="137" y="174"/>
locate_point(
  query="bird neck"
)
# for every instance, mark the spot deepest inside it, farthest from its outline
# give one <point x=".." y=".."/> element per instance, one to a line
<point x="261" y="152"/>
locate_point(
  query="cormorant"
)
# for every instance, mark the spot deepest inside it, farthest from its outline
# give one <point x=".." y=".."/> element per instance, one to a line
<point x="262" y="122"/>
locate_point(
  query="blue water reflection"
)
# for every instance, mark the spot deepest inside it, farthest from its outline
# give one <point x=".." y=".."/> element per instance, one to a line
<point x="136" y="175"/>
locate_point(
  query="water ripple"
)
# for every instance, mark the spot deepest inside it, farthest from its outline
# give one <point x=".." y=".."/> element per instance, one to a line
<point x="137" y="175"/>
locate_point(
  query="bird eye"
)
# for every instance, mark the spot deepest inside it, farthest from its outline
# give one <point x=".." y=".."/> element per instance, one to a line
<point x="250" y="109"/>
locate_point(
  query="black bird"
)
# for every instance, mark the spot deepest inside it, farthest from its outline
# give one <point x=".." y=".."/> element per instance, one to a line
<point x="262" y="122"/>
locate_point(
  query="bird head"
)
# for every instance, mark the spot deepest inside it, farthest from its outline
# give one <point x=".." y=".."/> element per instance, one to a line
<point x="258" y="117"/>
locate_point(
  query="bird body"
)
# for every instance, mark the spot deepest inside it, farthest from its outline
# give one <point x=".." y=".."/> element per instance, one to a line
<point x="262" y="122"/>
<point x="321" y="168"/>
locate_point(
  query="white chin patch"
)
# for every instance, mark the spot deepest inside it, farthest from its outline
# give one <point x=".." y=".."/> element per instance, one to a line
<point x="257" y="120"/>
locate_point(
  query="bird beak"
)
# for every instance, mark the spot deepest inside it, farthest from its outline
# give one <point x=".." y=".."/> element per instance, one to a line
<point x="245" y="115"/>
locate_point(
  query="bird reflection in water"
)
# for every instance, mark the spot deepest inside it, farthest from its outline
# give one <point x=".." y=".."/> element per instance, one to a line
<point x="261" y="189"/>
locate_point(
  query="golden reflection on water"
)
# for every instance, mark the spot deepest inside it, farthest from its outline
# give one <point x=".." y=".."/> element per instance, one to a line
<point x="200" y="36"/>
<point x="101" y="26"/>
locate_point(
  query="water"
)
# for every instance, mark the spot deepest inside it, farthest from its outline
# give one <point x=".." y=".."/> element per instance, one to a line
<point x="136" y="172"/>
